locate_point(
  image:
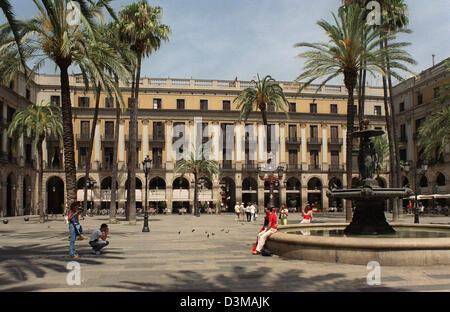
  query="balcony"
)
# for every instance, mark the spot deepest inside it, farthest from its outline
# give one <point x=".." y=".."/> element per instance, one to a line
<point x="83" y="137"/>
<point x="314" y="141"/>
<point x="335" y="141"/>
<point x="105" y="166"/>
<point x="227" y="165"/>
<point x="336" y="168"/>
<point x="293" y="167"/>
<point x="250" y="166"/>
<point x="108" y="138"/>
<point x="157" y="140"/>
<point x="315" y="168"/>
<point x="158" y="166"/>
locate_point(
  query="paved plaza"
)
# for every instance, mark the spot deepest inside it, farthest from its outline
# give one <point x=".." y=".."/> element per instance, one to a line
<point x="178" y="255"/>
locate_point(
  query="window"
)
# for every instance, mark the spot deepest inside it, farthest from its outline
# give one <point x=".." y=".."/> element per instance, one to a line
<point x="109" y="129"/>
<point x="436" y="92"/>
<point x="355" y="109"/>
<point x="334" y="132"/>
<point x="84" y="129"/>
<point x="157" y="154"/>
<point x="313" y="108"/>
<point x="109" y="102"/>
<point x="82" y="160"/>
<point x="314" y="132"/>
<point x="403" y="155"/>
<point x="180" y="103"/>
<point x="157" y="103"/>
<point x="83" y="101"/>
<point x="292" y="132"/>
<point x="108" y="154"/>
<point x="333" y="108"/>
<point x="55" y="99"/>
<point x="28" y="94"/>
<point x="403" y="133"/>
<point x="158" y="130"/>
<point x="292" y="107"/>
<point x="293" y="157"/>
<point x="402" y="106"/>
<point x="335" y="158"/>
<point x="9" y="114"/>
<point x="314" y="158"/>
<point x="419" y="98"/>
<point x="377" y="110"/>
<point x="203" y="105"/>
<point x="226" y="105"/>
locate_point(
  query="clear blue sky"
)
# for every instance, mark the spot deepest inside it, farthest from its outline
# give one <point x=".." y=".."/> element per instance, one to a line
<point x="224" y="39"/>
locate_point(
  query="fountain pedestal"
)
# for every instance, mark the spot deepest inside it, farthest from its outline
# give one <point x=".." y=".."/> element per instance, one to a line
<point x="369" y="219"/>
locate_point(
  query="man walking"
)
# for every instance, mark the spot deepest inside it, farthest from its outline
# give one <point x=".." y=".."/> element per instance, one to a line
<point x="237" y="211"/>
<point x="242" y="211"/>
<point x="98" y="239"/>
<point x="252" y="212"/>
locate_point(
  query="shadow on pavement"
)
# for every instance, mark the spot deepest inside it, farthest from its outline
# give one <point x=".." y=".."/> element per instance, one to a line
<point x="261" y="280"/>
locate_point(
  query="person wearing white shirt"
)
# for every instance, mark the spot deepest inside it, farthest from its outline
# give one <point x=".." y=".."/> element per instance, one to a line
<point x="252" y="212"/>
<point x="242" y="210"/>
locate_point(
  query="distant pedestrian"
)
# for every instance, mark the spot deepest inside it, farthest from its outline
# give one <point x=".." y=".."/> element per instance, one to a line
<point x="284" y="212"/>
<point x="98" y="239"/>
<point x="248" y="213"/>
<point x="410" y="207"/>
<point x="74" y="227"/>
<point x="237" y="211"/>
<point x="271" y="229"/>
<point x="242" y="211"/>
<point x="252" y="212"/>
<point x="307" y="215"/>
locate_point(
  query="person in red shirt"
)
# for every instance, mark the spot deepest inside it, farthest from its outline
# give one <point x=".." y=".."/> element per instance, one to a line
<point x="271" y="228"/>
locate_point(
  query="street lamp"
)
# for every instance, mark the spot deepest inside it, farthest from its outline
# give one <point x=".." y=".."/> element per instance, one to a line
<point x="146" y="164"/>
<point x="407" y="168"/>
<point x="272" y="177"/>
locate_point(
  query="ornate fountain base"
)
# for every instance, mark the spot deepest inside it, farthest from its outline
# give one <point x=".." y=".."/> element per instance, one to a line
<point x="369" y="218"/>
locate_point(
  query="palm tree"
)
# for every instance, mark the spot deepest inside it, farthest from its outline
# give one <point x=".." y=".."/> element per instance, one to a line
<point x="51" y="36"/>
<point x="381" y="146"/>
<point x="103" y="60"/>
<point x="197" y="163"/>
<point x="266" y="92"/>
<point x="140" y="26"/>
<point x="37" y="122"/>
<point x="350" y="41"/>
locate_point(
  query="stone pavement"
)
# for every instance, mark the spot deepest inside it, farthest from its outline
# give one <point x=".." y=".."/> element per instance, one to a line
<point x="33" y="257"/>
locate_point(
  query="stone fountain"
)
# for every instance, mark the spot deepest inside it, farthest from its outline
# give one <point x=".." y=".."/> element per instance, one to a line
<point x="369" y="237"/>
<point x="369" y="199"/>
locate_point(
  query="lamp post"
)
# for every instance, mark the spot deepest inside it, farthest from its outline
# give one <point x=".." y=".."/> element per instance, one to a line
<point x="146" y="165"/>
<point x="407" y="168"/>
<point x="272" y="179"/>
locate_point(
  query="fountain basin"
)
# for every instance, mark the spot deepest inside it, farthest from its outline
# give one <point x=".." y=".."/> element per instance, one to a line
<point x="388" y="250"/>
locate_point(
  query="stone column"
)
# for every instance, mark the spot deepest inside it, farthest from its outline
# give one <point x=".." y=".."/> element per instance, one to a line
<point x="19" y="196"/>
<point x="304" y="147"/>
<point x="344" y="146"/>
<point x="238" y="132"/>
<point x="304" y="196"/>
<point x="283" y="144"/>
<point x="324" y="148"/>
<point x="215" y="141"/>
<point x="3" y="190"/>
<point x="276" y="145"/>
<point x="145" y="139"/>
<point x="21" y="151"/>
<point x="44" y="153"/>
<point x="238" y="189"/>
<point x="169" y="198"/>
<point x="168" y="146"/>
<point x="260" y="195"/>
<point x="121" y="147"/>
<point x="97" y="147"/>
<point x="192" y="134"/>
<point x="216" y="191"/>
<point x="261" y="140"/>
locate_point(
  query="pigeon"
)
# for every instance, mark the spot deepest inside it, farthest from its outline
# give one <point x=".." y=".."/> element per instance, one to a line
<point x="228" y="231"/>
<point x="213" y="234"/>
<point x="193" y="230"/>
<point x="207" y="236"/>
<point x="179" y="232"/>
<point x="222" y="230"/>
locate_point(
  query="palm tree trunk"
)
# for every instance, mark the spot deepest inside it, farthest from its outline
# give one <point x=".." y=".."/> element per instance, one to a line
<point x="114" y="186"/>
<point x="41" y="180"/>
<point x="397" y="168"/>
<point x="350" y="79"/>
<point x="388" y="114"/>
<point x="196" y="195"/>
<point x="91" y="143"/>
<point x="69" y="149"/>
<point x="133" y="146"/>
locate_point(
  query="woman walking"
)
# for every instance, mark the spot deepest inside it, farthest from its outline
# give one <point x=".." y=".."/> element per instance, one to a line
<point x="284" y="212"/>
<point x="307" y="215"/>
<point x="74" y="227"/>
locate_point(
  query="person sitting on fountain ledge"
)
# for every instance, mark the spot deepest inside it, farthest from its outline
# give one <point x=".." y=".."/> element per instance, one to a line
<point x="98" y="239"/>
<point x="271" y="228"/>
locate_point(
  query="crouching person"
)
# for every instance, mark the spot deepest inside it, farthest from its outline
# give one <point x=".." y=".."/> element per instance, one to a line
<point x="98" y="239"/>
<point x="271" y="228"/>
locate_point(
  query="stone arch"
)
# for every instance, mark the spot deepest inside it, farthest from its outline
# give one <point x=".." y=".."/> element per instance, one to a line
<point x="27" y="190"/>
<point x="315" y="192"/>
<point x="157" y="183"/>
<point x="335" y="182"/>
<point x="293" y="193"/>
<point x="228" y="192"/>
<point x="440" y="179"/>
<point x="423" y="181"/>
<point x="55" y="195"/>
<point x="11" y="195"/>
